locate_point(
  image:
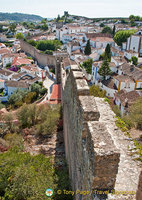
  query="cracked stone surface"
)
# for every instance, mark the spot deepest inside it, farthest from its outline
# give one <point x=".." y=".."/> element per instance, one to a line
<point x="129" y="170"/>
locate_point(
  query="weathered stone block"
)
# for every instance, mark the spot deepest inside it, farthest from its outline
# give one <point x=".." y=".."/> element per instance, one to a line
<point x="106" y="156"/>
<point x="75" y="68"/>
<point x="82" y="87"/>
<point x="77" y="74"/>
<point x="89" y="107"/>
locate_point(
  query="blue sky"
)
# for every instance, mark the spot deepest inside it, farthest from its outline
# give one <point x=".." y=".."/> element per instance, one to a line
<point x="88" y="8"/>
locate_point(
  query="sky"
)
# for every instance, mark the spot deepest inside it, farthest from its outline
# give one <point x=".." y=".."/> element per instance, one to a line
<point x="88" y="8"/>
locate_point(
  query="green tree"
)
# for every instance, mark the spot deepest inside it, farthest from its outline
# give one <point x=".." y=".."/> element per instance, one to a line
<point x="43" y="21"/>
<point x="104" y="69"/>
<point x="44" y="27"/>
<point x="113" y="31"/>
<point x="108" y="52"/>
<point x="121" y="36"/>
<point x="12" y="27"/>
<point x="27" y="115"/>
<point x="132" y="17"/>
<point x="30" y="97"/>
<point x="1" y="29"/>
<point x="102" y="25"/>
<point x="123" y="21"/>
<point x="96" y="91"/>
<point x="134" y="60"/>
<point x="49" y="126"/>
<point x="137" y="18"/>
<point x="48" y="45"/>
<point x="133" y="23"/>
<point x="107" y="29"/>
<point x="58" y="18"/>
<point x="35" y="87"/>
<point x="88" y="65"/>
<point x="32" y="42"/>
<point x="16" y="99"/>
<point x="87" y="50"/>
<point x="19" y="36"/>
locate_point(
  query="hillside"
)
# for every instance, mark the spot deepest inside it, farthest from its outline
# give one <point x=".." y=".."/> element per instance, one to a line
<point x="19" y="17"/>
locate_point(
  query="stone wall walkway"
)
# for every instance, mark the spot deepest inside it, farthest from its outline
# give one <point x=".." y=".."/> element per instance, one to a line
<point x="129" y="170"/>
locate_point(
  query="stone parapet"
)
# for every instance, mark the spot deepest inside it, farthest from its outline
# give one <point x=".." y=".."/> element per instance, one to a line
<point x="106" y="156"/>
<point x="82" y="134"/>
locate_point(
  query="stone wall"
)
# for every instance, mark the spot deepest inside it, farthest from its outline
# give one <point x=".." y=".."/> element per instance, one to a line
<point x="90" y="151"/>
<point x="42" y="59"/>
<point x="139" y="191"/>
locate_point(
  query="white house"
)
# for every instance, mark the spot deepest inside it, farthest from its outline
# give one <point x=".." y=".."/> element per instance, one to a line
<point x="1" y="83"/>
<point x="7" y="58"/>
<point x="118" y="60"/>
<point x="124" y="100"/>
<point x="34" y="70"/>
<point x="129" y="53"/>
<point x="124" y="82"/>
<point x="11" y="86"/>
<point x="4" y="51"/>
<point x="133" y="72"/>
<point x="6" y="74"/>
<point x="101" y="42"/>
<point x="94" y="75"/>
<point x="134" y="43"/>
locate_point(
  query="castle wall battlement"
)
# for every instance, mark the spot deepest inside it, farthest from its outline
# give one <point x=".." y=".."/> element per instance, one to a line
<point x="91" y="153"/>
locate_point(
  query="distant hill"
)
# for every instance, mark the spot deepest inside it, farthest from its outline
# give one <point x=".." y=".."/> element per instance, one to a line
<point x="99" y="18"/>
<point x="19" y="17"/>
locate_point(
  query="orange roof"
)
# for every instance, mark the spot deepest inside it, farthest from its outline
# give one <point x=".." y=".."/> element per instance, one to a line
<point x="56" y="93"/>
<point x="30" y="68"/>
<point x="20" y="61"/>
<point x="102" y="39"/>
<point x="4" y="50"/>
<point x="2" y="80"/>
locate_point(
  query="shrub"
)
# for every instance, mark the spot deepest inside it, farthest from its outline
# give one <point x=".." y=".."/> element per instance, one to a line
<point x="52" y="45"/>
<point x="32" y="42"/>
<point x="96" y="91"/>
<point x="116" y="110"/>
<point x="49" y="52"/>
<point x="24" y="176"/>
<point x="122" y="125"/>
<point x="30" y="97"/>
<point x="27" y="115"/>
<point x="135" y="114"/>
<point x="49" y="126"/>
<point x="14" y="140"/>
<point x="106" y="100"/>
<point x="88" y="65"/>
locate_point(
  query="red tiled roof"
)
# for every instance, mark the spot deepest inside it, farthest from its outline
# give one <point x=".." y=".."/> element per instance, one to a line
<point x="56" y="93"/>
<point x="4" y="50"/>
<point x="20" y="61"/>
<point x="102" y="39"/>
